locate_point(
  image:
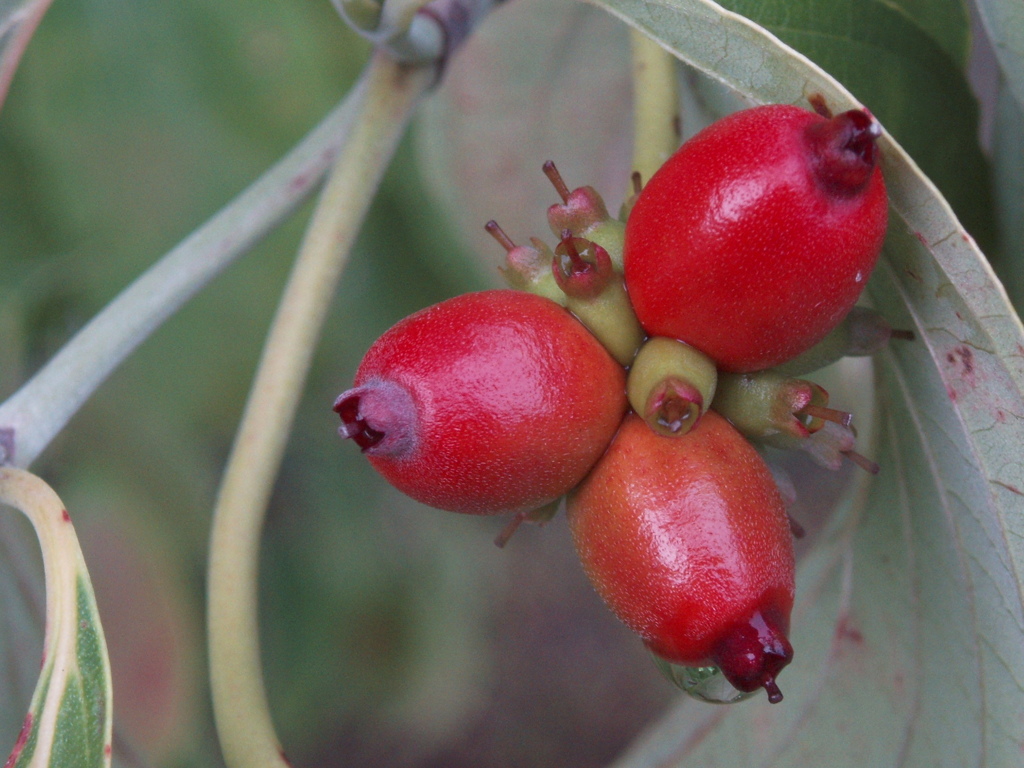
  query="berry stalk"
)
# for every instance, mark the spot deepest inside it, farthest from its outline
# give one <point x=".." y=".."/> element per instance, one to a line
<point x="596" y="294"/>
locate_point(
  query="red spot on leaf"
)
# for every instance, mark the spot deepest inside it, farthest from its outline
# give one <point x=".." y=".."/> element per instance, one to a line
<point x="921" y="239"/>
<point x="65" y="516"/>
<point x="19" y="745"/>
<point x="1001" y="417"/>
<point x="299" y="182"/>
<point x="848" y="632"/>
<point x="952" y="393"/>
<point x="1010" y="488"/>
<point x="961" y="359"/>
<point x="107" y="750"/>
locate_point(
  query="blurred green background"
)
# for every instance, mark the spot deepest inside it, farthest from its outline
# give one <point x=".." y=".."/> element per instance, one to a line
<point x="393" y="634"/>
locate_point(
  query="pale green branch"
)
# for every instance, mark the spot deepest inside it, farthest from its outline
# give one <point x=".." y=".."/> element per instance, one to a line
<point x="37" y="412"/>
<point x="655" y="105"/>
<point x="243" y="718"/>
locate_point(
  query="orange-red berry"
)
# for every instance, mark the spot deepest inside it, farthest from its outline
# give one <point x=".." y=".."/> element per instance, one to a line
<point x="687" y="540"/>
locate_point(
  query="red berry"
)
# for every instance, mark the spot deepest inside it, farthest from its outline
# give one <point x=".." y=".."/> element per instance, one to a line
<point x="489" y="402"/>
<point x="687" y="540"/>
<point x="755" y="239"/>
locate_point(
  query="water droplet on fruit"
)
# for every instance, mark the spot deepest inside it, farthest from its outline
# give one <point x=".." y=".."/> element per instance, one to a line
<point x="706" y="684"/>
<point x="859" y="277"/>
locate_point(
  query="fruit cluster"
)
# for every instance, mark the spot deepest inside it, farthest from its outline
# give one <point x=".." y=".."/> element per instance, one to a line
<point x="636" y="365"/>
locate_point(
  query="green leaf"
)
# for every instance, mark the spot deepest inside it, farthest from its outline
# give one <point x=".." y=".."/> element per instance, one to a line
<point x="69" y="722"/>
<point x="908" y="629"/>
<point x="18" y="21"/>
<point x="1004" y="22"/>
<point x="906" y="62"/>
<point x="1008" y="174"/>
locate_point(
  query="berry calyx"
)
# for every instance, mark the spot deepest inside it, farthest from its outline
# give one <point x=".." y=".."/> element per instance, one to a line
<point x="753" y="653"/>
<point x="581" y="268"/>
<point x="526" y="268"/>
<point x="499" y="401"/>
<point x="688" y="542"/>
<point x="757" y="237"/>
<point x="596" y="294"/>
<point x="670" y="385"/>
<point x="765" y="404"/>
<point x="843" y="151"/>
<point x="378" y="416"/>
<point x="583" y="212"/>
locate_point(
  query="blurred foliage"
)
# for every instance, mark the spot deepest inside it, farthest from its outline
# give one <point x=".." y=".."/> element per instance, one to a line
<point x="386" y="624"/>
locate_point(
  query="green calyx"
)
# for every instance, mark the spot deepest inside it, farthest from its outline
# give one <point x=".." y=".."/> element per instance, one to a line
<point x="671" y="385"/>
<point x="595" y="292"/>
<point x="767" y="405"/>
<point x="862" y="332"/>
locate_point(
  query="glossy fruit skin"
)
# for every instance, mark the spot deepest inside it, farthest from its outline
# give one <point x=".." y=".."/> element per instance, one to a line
<point x="749" y="244"/>
<point x="686" y="538"/>
<point x="512" y="401"/>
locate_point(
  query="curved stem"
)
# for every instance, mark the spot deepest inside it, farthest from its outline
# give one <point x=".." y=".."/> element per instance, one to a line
<point x="37" y="412"/>
<point x="240" y="707"/>
<point x="656" y="129"/>
<point x="74" y="691"/>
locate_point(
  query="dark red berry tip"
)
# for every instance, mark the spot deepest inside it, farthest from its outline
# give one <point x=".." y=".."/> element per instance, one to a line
<point x="843" y="149"/>
<point x="379" y="417"/>
<point x="753" y="653"/>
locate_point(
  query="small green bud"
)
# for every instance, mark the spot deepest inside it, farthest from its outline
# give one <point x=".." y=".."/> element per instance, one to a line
<point x="596" y="294"/>
<point x="767" y="404"/>
<point x="671" y="385"/>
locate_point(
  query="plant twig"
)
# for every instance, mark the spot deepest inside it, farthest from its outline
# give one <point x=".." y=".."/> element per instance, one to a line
<point x="243" y="719"/>
<point x="656" y="127"/>
<point x="37" y="412"/>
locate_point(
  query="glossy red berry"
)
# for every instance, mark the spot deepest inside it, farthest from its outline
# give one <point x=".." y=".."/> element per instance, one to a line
<point x="687" y="540"/>
<point x="489" y="402"/>
<point x="755" y="239"/>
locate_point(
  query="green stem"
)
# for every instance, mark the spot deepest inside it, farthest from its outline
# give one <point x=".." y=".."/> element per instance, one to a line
<point x="37" y="412"/>
<point x="243" y="718"/>
<point x="655" y="105"/>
